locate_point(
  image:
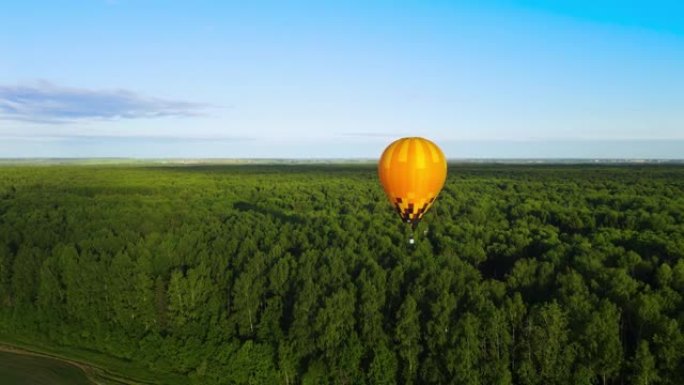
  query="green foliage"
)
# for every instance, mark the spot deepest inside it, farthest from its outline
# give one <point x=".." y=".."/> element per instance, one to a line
<point x="408" y="339"/>
<point x="303" y="275"/>
<point x="644" y="369"/>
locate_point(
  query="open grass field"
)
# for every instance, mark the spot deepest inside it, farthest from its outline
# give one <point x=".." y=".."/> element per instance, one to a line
<point x="21" y="369"/>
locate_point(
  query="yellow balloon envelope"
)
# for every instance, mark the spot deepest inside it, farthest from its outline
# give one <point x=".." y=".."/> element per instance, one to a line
<point x="412" y="172"/>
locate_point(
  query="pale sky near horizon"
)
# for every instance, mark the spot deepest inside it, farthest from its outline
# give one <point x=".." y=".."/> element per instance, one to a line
<point x="273" y="79"/>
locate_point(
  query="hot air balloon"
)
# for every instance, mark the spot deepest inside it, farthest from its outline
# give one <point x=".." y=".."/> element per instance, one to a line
<point x="412" y="172"/>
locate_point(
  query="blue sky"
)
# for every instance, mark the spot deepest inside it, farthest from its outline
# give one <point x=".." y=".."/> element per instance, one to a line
<point x="271" y="79"/>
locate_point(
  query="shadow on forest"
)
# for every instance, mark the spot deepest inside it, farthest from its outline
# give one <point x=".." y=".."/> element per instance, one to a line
<point x="246" y="206"/>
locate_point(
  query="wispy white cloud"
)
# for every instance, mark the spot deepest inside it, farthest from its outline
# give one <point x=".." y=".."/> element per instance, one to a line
<point x="77" y="138"/>
<point x="44" y="102"/>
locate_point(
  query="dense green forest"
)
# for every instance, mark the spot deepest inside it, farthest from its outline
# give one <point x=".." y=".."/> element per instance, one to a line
<point x="291" y="274"/>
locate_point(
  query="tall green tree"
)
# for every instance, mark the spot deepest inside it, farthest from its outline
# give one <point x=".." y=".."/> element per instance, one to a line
<point x="407" y="336"/>
<point x="644" y="370"/>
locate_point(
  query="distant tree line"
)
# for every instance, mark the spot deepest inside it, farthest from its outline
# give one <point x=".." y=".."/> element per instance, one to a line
<point x="531" y="275"/>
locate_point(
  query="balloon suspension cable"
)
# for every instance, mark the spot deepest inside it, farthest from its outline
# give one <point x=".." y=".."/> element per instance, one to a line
<point x="413" y="224"/>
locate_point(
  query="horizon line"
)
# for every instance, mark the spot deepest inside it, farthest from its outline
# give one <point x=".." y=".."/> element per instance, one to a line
<point x="338" y="159"/>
